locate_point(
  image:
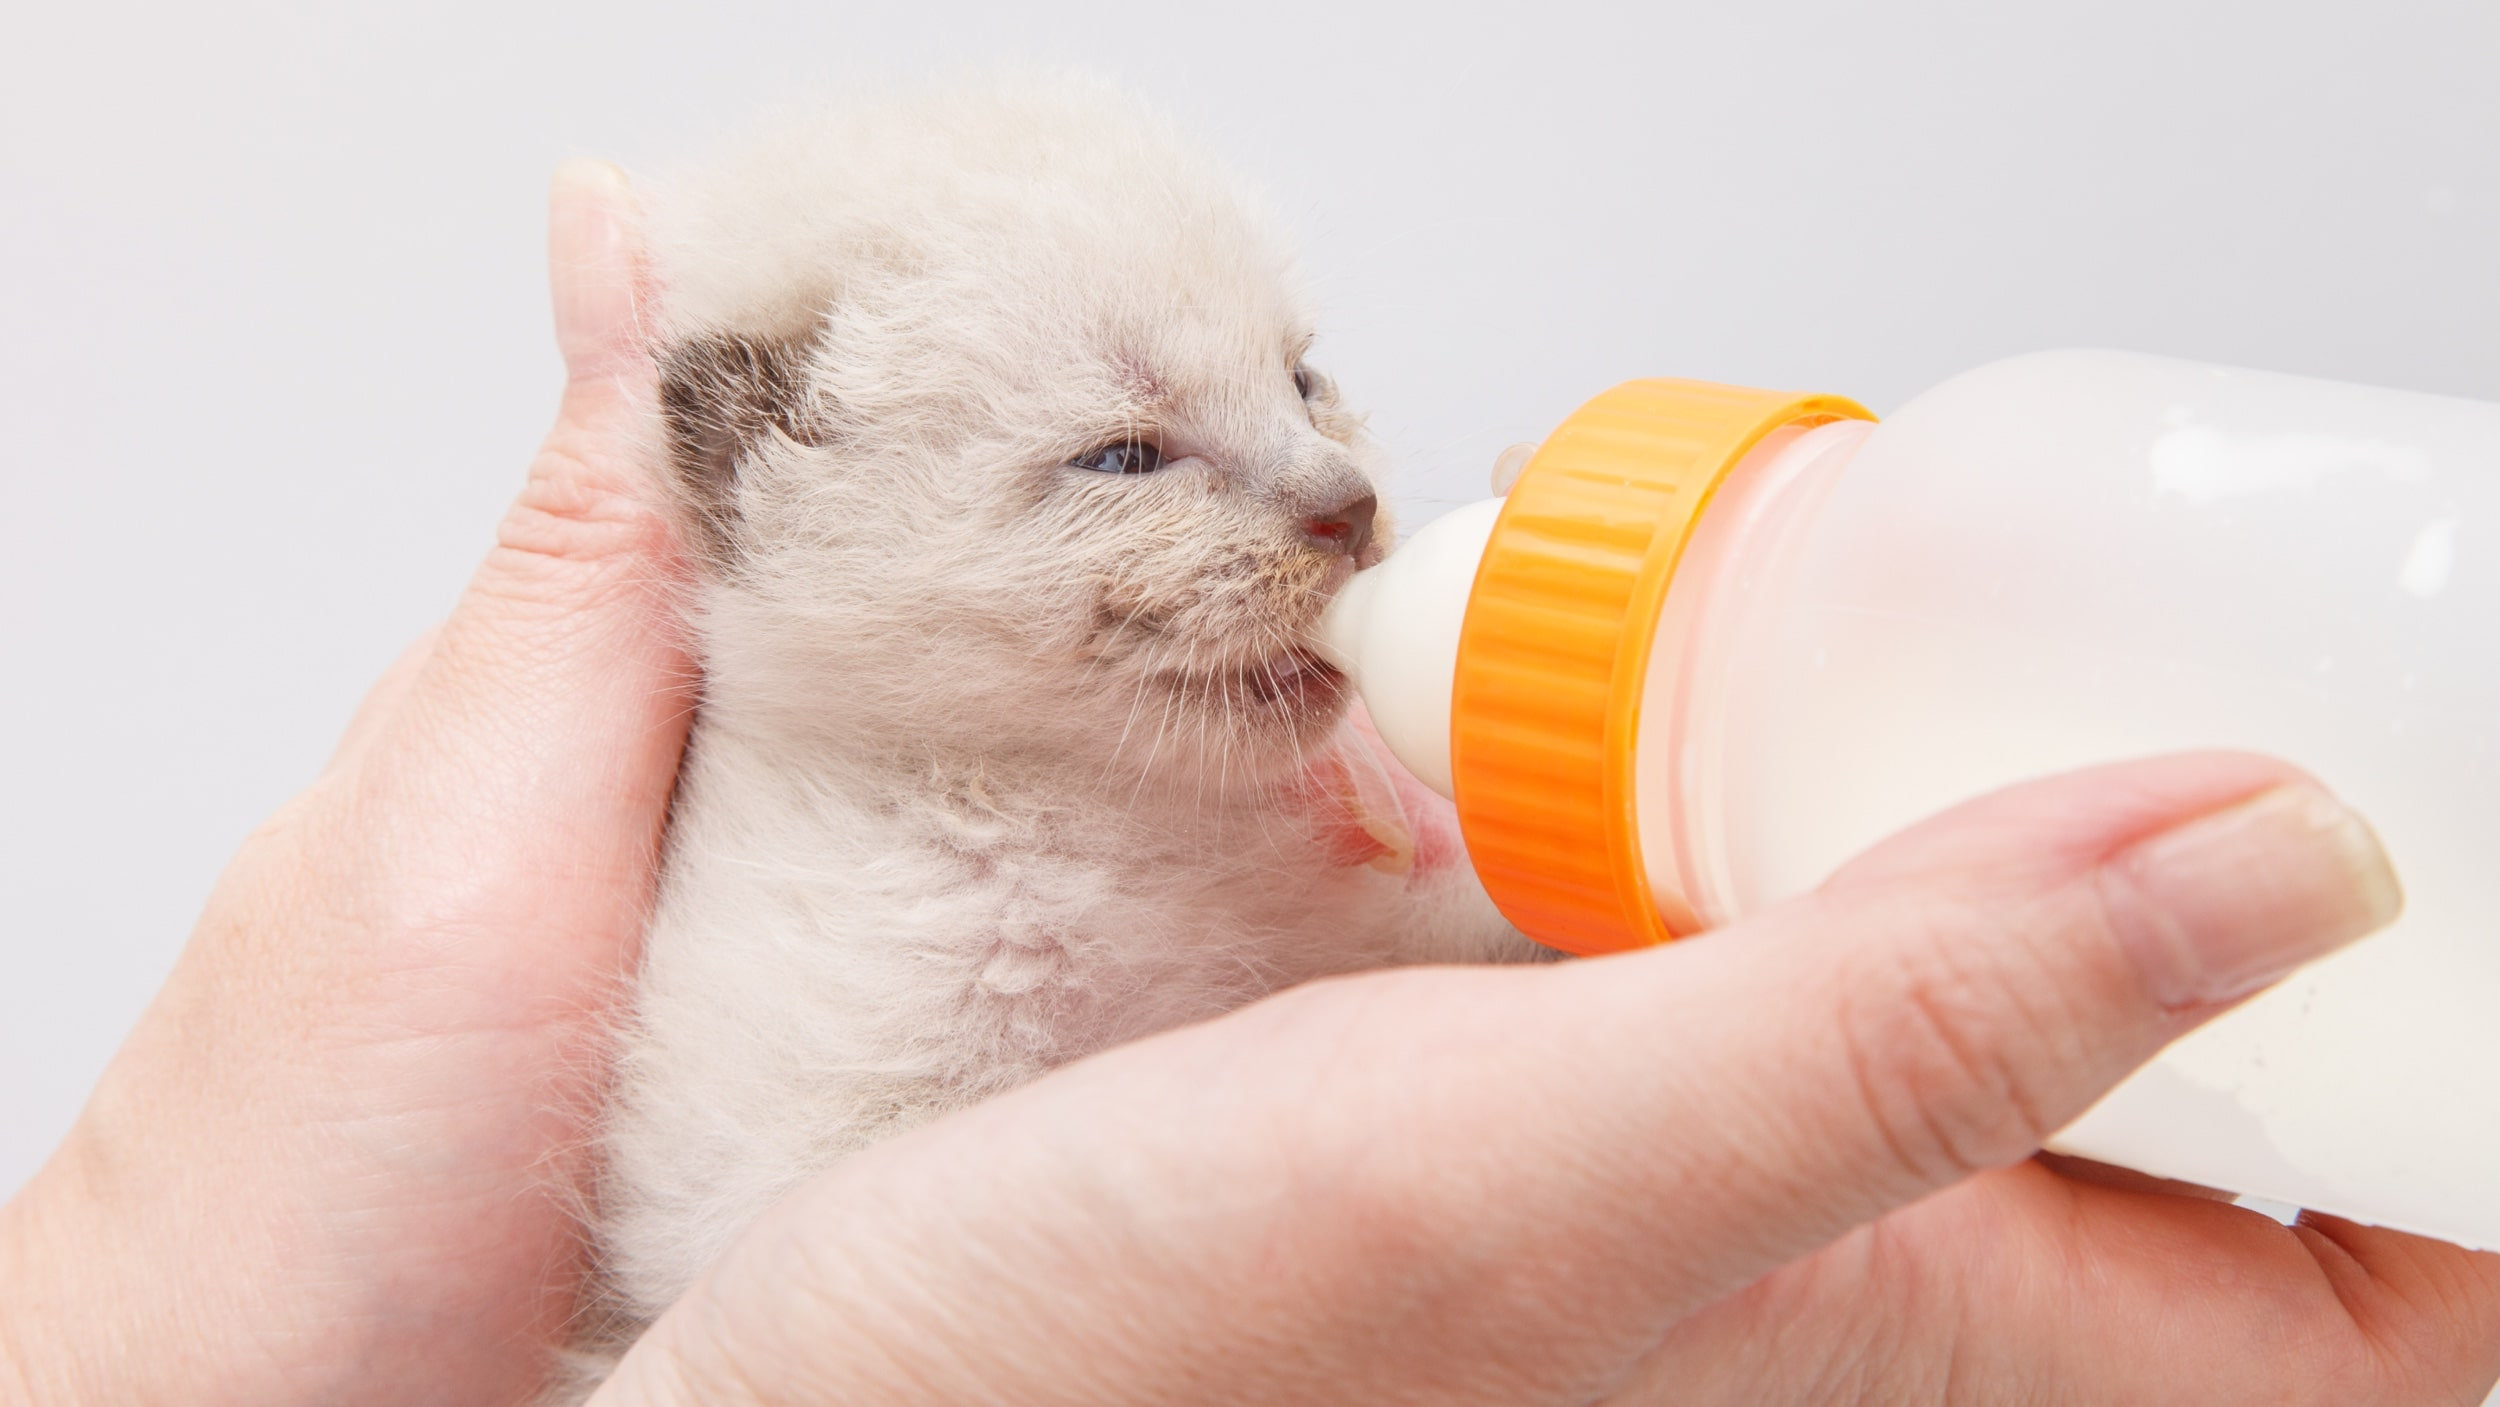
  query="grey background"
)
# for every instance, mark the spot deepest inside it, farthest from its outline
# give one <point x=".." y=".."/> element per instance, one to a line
<point x="275" y="351"/>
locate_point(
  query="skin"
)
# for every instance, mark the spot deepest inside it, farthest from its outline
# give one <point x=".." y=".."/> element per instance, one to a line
<point x="1790" y="1161"/>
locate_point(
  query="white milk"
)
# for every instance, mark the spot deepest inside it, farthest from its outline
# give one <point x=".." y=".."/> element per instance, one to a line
<point x="2073" y="558"/>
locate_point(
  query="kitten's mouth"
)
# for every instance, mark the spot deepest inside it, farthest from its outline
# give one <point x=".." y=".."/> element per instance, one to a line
<point x="1294" y="683"/>
<point x="1297" y="679"/>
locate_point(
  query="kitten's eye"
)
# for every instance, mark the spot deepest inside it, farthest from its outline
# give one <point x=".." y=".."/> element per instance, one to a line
<point x="1125" y="457"/>
<point x="1303" y="382"/>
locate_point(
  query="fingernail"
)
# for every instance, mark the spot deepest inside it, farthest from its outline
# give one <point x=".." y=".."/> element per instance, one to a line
<point x="2215" y="909"/>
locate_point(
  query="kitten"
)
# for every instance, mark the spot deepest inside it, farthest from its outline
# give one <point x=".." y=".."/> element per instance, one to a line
<point x="1015" y="502"/>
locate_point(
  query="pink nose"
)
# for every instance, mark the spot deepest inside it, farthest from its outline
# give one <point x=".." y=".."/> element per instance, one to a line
<point x="1346" y="529"/>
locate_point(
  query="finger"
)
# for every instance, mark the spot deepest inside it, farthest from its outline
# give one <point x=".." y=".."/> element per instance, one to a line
<point x="382" y="702"/>
<point x="2120" y="1179"/>
<point x="547" y="719"/>
<point x="2024" y="1286"/>
<point x="1949" y="1000"/>
<point x="596" y="274"/>
<point x="2431" y="1309"/>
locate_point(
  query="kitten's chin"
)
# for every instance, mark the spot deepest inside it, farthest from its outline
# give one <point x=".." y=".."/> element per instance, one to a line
<point x="1276" y="708"/>
<point x="1285" y="702"/>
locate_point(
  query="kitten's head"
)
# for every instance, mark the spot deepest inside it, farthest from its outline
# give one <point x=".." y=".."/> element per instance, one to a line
<point x="989" y="414"/>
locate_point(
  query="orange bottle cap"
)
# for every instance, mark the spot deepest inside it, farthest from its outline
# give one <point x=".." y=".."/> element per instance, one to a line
<point x="1555" y="650"/>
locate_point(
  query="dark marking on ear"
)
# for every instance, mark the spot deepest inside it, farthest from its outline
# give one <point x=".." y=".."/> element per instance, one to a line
<point x="721" y="394"/>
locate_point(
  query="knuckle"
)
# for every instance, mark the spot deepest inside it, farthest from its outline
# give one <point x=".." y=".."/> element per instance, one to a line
<point x="1938" y="1046"/>
<point x="579" y="533"/>
<point x="573" y="508"/>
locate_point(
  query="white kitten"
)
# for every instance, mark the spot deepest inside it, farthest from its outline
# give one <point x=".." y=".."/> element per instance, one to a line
<point x="1015" y="503"/>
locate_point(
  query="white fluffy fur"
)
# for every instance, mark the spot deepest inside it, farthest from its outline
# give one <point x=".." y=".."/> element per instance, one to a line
<point x="999" y="761"/>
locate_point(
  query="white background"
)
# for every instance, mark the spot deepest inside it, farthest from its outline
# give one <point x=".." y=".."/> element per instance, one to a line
<point x="273" y="348"/>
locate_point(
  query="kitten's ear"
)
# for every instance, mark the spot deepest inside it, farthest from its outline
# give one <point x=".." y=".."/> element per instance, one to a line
<point x="722" y="394"/>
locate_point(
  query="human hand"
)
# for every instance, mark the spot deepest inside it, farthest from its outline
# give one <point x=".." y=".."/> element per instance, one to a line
<point x="1786" y="1162"/>
<point x="337" y="1159"/>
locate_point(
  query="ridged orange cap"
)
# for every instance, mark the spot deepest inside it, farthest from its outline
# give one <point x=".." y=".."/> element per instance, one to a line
<point x="1555" y="651"/>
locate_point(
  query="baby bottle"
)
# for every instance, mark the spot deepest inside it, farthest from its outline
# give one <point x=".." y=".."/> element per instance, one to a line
<point x="1715" y="641"/>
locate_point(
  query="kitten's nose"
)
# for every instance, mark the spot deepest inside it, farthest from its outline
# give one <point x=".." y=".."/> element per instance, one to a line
<point x="1346" y="528"/>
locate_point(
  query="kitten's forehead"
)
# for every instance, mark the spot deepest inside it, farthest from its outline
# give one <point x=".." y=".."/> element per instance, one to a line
<point x="1017" y="207"/>
<point x="1165" y="296"/>
<point x="1153" y="262"/>
<point x="1207" y="336"/>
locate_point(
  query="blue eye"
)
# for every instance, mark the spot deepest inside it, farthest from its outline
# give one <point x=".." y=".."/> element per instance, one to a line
<point x="1125" y="457"/>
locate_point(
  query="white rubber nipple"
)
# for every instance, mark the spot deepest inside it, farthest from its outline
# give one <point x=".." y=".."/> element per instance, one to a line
<point x="1394" y="630"/>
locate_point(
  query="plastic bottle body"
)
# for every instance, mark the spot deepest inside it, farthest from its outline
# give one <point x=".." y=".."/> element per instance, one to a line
<point x="2075" y="558"/>
<point x="2079" y="557"/>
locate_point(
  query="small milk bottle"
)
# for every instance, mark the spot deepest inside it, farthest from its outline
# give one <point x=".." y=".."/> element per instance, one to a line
<point x="1716" y="641"/>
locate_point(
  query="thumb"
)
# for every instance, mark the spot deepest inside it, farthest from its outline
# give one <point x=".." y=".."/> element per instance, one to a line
<point x="569" y="610"/>
<point x="1954" y="997"/>
<point x="559" y="686"/>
